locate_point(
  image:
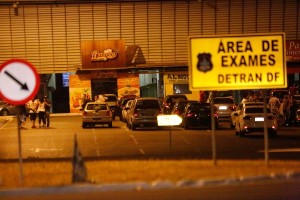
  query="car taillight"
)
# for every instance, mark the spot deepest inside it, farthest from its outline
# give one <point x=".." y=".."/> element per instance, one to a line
<point x="233" y="108"/>
<point x="190" y="114"/>
<point x="167" y="105"/>
<point x="247" y="118"/>
<point x="135" y="113"/>
<point x="84" y="113"/>
<point x="176" y="112"/>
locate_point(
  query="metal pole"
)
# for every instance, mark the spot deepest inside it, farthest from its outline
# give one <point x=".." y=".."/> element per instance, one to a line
<point x="213" y="128"/>
<point x="170" y="139"/>
<point x="21" y="176"/>
<point x="266" y="138"/>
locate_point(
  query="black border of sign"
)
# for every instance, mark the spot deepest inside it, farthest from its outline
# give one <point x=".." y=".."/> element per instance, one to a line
<point x="37" y="82"/>
<point x="232" y="87"/>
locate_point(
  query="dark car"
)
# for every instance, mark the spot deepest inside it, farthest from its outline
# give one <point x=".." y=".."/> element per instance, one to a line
<point x="170" y="101"/>
<point x="180" y="106"/>
<point x="143" y="113"/>
<point x="198" y="115"/>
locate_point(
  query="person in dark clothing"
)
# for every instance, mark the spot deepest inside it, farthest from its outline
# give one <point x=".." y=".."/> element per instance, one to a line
<point x="47" y="110"/>
<point x="23" y="115"/>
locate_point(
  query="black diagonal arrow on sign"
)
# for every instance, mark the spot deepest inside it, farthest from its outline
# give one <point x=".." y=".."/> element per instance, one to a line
<point x="23" y="85"/>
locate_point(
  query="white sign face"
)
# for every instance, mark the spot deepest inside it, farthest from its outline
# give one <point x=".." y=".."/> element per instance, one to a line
<point x="19" y="81"/>
<point x="168" y="120"/>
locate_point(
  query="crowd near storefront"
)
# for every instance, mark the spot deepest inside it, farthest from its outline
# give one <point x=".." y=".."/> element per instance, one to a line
<point x="131" y="47"/>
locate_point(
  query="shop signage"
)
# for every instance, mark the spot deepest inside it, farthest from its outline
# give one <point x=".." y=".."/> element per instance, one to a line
<point x="103" y="54"/>
<point x="107" y="54"/>
<point x="237" y="62"/>
<point x="293" y="50"/>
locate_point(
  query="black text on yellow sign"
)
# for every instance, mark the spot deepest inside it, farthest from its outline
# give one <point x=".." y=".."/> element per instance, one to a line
<point x="237" y="62"/>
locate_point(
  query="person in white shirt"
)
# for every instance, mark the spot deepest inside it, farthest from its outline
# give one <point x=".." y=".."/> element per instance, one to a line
<point x="32" y="107"/>
<point x="41" y="112"/>
<point x="102" y="98"/>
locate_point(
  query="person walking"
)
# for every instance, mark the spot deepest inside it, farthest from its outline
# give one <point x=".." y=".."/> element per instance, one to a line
<point x="32" y="107"/>
<point x="47" y="110"/>
<point x="41" y="112"/>
<point x="274" y="105"/>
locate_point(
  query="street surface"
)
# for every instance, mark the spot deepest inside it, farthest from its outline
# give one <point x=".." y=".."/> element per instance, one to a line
<point x="57" y="142"/>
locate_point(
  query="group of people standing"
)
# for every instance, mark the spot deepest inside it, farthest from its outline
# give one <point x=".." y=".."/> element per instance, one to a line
<point x="38" y="108"/>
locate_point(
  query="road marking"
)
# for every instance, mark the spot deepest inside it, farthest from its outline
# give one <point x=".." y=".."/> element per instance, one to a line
<point x="282" y="150"/>
<point x="134" y="140"/>
<point x="37" y="150"/>
<point x="142" y="151"/>
<point x="96" y="143"/>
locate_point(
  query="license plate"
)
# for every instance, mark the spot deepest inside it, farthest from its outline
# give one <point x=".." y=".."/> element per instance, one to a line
<point x="223" y="107"/>
<point x="259" y="119"/>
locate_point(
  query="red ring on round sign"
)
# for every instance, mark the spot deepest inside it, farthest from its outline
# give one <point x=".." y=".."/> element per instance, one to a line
<point x="33" y="92"/>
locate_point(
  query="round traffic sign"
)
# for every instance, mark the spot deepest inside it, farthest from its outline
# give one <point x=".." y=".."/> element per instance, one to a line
<point x="19" y="81"/>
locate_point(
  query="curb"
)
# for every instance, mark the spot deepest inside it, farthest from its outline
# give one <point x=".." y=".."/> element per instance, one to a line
<point x="140" y="186"/>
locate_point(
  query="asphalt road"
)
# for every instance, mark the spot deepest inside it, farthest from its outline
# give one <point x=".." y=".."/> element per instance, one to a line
<point x="57" y="142"/>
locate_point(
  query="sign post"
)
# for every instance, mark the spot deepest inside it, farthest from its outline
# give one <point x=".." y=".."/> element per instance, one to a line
<point x="19" y="83"/>
<point x="238" y="62"/>
<point x="169" y="120"/>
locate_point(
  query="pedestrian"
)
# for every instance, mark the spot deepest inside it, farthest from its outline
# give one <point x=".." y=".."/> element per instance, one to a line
<point x="85" y="99"/>
<point x="41" y="112"/>
<point x="22" y="115"/>
<point x="274" y="105"/>
<point x="32" y="107"/>
<point x="102" y="98"/>
<point x="293" y="109"/>
<point x="286" y="105"/>
<point x="47" y="110"/>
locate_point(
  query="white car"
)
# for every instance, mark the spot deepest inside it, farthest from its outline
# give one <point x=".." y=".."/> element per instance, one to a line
<point x="251" y="119"/>
<point x="96" y="113"/>
<point x="235" y="114"/>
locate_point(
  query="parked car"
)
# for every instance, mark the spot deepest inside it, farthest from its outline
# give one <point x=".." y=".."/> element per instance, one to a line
<point x="297" y="119"/>
<point x="126" y="110"/>
<point x="198" y="115"/>
<point x="235" y="114"/>
<point x="170" y="101"/>
<point x="251" y="119"/>
<point x="7" y="109"/>
<point x="143" y="112"/>
<point x="96" y="113"/>
<point x="225" y="106"/>
<point x="122" y="105"/>
<point x="112" y="102"/>
<point x="180" y="105"/>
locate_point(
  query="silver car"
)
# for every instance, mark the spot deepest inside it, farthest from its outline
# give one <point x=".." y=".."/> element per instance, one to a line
<point x="7" y="109"/>
<point x="143" y="112"/>
<point x="96" y="113"/>
<point x="224" y="107"/>
<point x="251" y="119"/>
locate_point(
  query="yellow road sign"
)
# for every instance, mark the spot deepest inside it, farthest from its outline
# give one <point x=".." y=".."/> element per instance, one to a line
<point x="231" y="62"/>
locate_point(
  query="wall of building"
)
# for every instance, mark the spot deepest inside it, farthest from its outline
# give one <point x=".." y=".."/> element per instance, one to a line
<point x="49" y="35"/>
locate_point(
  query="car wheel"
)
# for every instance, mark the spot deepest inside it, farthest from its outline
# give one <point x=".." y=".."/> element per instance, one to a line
<point x="110" y="124"/>
<point x="5" y="113"/>
<point x="273" y="133"/>
<point x="84" y="125"/>
<point x="133" y="126"/>
<point x="186" y="126"/>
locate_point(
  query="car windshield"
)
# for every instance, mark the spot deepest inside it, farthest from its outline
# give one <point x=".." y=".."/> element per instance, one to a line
<point x="256" y="110"/>
<point x="96" y="106"/>
<point x="111" y="98"/>
<point x="174" y="99"/>
<point x="200" y="107"/>
<point x="224" y="100"/>
<point x="147" y="104"/>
